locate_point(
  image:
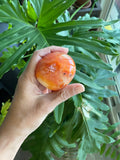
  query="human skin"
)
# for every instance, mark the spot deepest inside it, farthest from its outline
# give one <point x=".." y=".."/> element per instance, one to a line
<point x="30" y="106"/>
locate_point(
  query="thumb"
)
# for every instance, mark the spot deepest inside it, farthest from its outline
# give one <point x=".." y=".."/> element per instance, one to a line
<point x="62" y="95"/>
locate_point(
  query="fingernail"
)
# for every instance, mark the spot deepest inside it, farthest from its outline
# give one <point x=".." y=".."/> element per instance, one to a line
<point x="80" y="88"/>
<point x="83" y="88"/>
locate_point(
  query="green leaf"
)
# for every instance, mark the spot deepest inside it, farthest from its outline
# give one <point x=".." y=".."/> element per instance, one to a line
<point x="12" y="30"/>
<point x="24" y="4"/>
<point x="4" y="111"/>
<point x="112" y="149"/>
<point x="34" y="37"/>
<point x="101" y="73"/>
<point x="77" y="100"/>
<point x="12" y="60"/>
<point x="88" y="17"/>
<point x="84" y="51"/>
<point x="103" y="148"/>
<point x="108" y="151"/>
<point x="115" y="134"/>
<point x="118" y="157"/>
<point x="104" y="82"/>
<point x="48" y="156"/>
<point x="113" y="155"/>
<point x="101" y="92"/>
<point x="55" y="9"/>
<point x="63" y="142"/>
<point x="55" y="148"/>
<point x="31" y="12"/>
<point x="13" y="37"/>
<point x="109" y="36"/>
<point x="81" y="152"/>
<point x="113" y="36"/>
<point x="82" y="24"/>
<point x="75" y="127"/>
<point x="96" y="103"/>
<point x="7" y="54"/>
<point x="117" y="142"/>
<point x="89" y="34"/>
<point x="3" y="1"/>
<point x="12" y="12"/>
<point x="92" y="137"/>
<point x="85" y="130"/>
<point x="37" y="5"/>
<point x="58" y="113"/>
<point x="85" y="79"/>
<point x="21" y="64"/>
<point x="91" y="45"/>
<point x="87" y="60"/>
<point x="112" y="127"/>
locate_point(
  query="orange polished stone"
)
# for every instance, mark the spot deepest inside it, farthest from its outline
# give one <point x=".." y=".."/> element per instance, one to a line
<point x="55" y="70"/>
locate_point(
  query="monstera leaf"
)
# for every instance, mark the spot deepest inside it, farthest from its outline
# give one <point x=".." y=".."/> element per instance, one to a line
<point x="40" y="23"/>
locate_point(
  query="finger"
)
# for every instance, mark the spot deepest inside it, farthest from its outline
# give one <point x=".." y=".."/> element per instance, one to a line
<point x="43" y="52"/>
<point x="55" y="98"/>
<point x="39" y="54"/>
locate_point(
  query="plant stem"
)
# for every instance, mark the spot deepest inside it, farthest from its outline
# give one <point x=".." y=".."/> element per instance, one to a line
<point x="78" y="10"/>
<point x="27" y="56"/>
<point x="93" y="7"/>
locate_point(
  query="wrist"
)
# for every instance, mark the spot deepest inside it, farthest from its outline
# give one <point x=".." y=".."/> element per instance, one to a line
<point x="9" y="138"/>
<point x="10" y="141"/>
<point x="9" y="144"/>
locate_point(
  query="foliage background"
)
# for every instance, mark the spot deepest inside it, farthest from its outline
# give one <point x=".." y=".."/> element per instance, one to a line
<point x="40" y="23"/>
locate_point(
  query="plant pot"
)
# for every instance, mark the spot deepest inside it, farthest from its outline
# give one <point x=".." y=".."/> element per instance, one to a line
<point x="79" y="3"/>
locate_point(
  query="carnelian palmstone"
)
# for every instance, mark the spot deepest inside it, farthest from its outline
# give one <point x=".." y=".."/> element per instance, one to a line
<point x="55" y="70"/>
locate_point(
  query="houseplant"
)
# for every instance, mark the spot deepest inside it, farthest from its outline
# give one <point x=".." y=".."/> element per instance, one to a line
<point x="84" y="123"/>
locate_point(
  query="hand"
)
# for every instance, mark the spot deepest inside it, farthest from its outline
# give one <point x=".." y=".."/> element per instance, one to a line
<point x="32" y="102"/>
